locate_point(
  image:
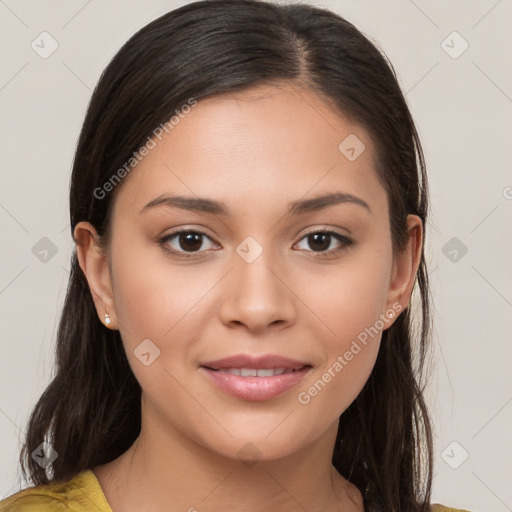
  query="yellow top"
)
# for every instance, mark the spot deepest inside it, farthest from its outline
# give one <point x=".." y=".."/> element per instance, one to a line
<point x="82" y="493"/>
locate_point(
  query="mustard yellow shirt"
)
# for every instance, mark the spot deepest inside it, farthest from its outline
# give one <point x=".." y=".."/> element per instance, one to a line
<point x="82" y="493"/>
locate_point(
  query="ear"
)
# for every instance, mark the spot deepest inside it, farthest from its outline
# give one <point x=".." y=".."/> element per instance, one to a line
<point x="94" y="264"/>
<point x="405" y="266"/>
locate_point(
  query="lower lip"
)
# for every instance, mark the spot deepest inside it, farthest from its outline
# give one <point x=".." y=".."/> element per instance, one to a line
<point x="255" y="388"/>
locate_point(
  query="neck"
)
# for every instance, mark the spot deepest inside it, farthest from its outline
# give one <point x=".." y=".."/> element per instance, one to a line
<point x="163" y="472"/>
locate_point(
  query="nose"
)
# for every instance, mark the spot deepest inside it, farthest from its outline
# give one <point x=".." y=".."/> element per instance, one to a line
<point x="257" y="296"/>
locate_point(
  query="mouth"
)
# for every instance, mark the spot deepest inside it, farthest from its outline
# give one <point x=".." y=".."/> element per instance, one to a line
<point x="258" y="372"/>
<point x="255" y="378"/>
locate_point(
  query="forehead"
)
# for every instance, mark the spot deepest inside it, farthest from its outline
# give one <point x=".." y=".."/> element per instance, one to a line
<point x="280" y="142"/>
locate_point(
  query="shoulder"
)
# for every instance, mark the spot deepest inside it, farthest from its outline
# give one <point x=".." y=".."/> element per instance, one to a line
<point x="32" y="500"/>
<point x="80" y="494"/>
<point x="436" y="507"/>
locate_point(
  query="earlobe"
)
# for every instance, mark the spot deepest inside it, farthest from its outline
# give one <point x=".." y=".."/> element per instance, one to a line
<point x="94" y="265"/>
<point x="405" y="266"/>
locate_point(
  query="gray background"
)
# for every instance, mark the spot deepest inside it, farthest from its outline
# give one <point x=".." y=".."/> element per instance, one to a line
<point x="462" y="105"/>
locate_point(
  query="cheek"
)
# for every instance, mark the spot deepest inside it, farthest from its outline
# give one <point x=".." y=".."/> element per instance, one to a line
<point x="157" y="302"/>
<point x="349" y="297"/>
<point x="153" y="298"/>
<point x="335" y="386"/>
<point x="350" y="303"/>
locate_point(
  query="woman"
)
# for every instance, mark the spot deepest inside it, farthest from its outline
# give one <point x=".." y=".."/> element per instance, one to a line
<point x="248" y="202"/>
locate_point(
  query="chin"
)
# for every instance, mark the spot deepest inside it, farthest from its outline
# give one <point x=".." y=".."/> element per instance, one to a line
<point x="251" y="446"/>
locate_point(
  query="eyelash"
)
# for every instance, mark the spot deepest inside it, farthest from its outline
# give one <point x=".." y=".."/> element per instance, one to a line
<point x="345" y="241"/>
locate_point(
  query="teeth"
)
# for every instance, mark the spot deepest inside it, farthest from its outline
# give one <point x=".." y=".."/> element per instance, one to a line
<point x="266" y="373"/>
<point x="258" y="372"/>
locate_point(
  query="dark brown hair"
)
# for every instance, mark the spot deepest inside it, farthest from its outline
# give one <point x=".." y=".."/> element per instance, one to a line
<point x="90" y="411"/>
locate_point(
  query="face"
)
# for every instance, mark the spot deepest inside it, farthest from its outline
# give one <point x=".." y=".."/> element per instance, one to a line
<point x="260" y="267"/>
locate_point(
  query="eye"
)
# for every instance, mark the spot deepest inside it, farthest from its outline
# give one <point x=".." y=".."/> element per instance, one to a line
<point x="320" y="241"/>
<point x="190" y="242"/>
<point x="184" y="241"/>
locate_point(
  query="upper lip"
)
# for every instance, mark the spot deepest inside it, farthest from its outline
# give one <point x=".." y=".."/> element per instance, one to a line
<point x="263" y="362"/>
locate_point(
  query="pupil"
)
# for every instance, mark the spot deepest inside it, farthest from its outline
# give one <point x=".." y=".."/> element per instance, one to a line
<point x="190" y="241"/>
<point x="316" y="236"/>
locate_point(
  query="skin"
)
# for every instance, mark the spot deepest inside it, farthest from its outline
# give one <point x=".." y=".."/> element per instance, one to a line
<point x="254" y="151"/>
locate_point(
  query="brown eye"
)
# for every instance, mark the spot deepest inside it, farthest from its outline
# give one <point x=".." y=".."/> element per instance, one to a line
<point x="190" y="241"/>
<point x="321" y="241"/>
<point x="185" y="241"/>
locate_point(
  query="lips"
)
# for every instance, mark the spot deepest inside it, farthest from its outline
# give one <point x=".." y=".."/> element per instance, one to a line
<point x="255" y="378"/>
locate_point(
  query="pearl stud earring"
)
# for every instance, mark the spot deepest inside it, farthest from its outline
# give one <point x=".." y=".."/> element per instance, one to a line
<point x="107" y="319"/>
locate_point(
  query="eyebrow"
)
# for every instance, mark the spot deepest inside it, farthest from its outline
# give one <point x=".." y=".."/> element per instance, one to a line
<point x="205" y="205"/>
